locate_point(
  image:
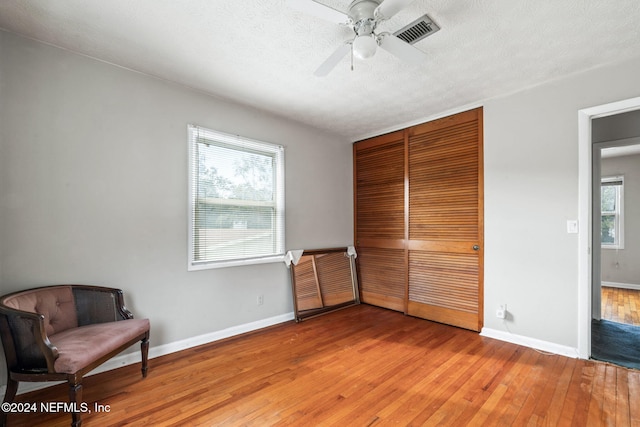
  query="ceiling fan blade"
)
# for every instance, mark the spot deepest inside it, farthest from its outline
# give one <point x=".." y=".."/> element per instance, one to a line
<point x="388" y="8"/>
<point x="402" y="50"/>
<point x="333" y="60"/>
<point x="318" y="10"/>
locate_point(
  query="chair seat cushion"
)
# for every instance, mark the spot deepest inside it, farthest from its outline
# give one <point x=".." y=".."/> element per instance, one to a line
<point x="79" y="347"/>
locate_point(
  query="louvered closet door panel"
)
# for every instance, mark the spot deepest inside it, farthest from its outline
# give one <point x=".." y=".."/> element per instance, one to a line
<point x="382" y="275"/>
<point x="379" y="168"/>
<point x="443" y="287"/>
<point x="443" y="192"/>
<point x="445" y="220"/>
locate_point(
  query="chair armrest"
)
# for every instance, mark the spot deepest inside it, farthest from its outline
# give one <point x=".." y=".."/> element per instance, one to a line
<point x="25" y="341"/>
<point x="97" y="304"/>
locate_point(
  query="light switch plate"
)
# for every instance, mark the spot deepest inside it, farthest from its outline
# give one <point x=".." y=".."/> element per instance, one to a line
<point x="572" y="226"/>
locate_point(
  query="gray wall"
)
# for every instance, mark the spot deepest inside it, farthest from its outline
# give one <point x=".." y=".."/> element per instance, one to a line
<point x="531" y="190"/>
<point x="93" y="185"/>
<point x="93" y="189"/>
<point x="621" y="265"/>
<point x="619" y="126"/>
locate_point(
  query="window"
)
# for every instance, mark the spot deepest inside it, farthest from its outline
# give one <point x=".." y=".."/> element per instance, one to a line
<point x="612" y="213"/>
<point x="236" y="204"/>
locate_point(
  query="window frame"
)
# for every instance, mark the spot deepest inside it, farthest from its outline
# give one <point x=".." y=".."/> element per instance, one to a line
<point x="618" y="213"/>
<point x="198" y="134"/>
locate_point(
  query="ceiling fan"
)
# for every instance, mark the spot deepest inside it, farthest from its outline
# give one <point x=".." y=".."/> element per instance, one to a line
<point x="363" y="16"/>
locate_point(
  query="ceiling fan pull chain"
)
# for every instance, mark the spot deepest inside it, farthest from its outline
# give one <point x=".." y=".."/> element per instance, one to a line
<point x="351" y="56"/>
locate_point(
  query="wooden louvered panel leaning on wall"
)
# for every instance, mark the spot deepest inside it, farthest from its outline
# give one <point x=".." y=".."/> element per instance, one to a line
<point x="440" y="189"/>
<point x="308" y="295"/>
<point x="334" y="274"/>
<point x="323" y="280"/>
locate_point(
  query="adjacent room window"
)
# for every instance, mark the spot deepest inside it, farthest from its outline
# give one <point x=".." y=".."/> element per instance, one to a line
<point x="612" y="212"/>
<point x="236" y="204"/>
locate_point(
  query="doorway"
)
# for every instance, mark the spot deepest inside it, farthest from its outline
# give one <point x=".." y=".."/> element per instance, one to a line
<point x="599" y="226"/>
<point x="615" y="326"/>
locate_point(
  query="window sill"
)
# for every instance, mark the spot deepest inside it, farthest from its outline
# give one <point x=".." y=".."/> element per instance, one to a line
<point x="234" y="263"/>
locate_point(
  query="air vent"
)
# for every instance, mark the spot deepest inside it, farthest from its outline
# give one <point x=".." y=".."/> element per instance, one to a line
<point x="417" y="30"/>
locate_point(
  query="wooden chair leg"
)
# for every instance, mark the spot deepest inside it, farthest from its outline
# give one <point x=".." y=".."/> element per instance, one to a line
<point x="9" y="395"/>
<point x="144" y="349"/>
<point x="75" y="396"/>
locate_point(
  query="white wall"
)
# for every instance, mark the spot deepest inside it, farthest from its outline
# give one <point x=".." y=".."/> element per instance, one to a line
<point x="531" y="190"/>
<point x="621" y="265"/>
<point x="93" y="189"/>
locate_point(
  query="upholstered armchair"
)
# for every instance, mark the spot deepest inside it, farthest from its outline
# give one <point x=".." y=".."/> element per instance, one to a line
<point x="60" y="333"/>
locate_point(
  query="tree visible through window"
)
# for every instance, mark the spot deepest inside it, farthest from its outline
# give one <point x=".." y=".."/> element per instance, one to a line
<point x="237" y="199"/>
<point x="612" y="219"/>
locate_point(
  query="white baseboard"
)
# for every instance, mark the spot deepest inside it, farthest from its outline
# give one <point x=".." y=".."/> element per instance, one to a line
<point x="621" y="285"/>
<point x="216" y="336"/>
<point x="537" y="344"/>
<point x="161" y="350"/>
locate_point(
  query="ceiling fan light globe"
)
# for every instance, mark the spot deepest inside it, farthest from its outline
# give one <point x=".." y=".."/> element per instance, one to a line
<point x="364" y="47"/>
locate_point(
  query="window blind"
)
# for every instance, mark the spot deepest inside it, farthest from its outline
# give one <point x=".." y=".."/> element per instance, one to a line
<point x="236" y="201"/>
<point x="612" y="212"/>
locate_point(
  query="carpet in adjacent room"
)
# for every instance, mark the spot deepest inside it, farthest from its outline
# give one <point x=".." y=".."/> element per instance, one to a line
<point x="615" y="343"/>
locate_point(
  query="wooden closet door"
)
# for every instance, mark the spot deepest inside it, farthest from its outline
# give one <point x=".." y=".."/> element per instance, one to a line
<point x="445" y="235"/>
<point x="379" y="198"/>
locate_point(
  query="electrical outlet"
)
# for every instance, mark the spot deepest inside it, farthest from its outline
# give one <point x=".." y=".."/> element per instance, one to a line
<point x="260" y="299"/>
<point x="501" y="312"/>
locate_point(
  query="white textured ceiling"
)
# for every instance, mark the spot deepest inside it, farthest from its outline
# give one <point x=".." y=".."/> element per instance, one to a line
<point x="262" y="53"/>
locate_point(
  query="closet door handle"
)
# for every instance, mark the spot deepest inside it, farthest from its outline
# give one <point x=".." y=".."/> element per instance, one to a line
<point x="476" y="247"/>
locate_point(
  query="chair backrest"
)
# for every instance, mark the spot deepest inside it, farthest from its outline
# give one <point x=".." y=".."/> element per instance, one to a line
<point x="29" y="317"/>
<point x="55" y="303"/>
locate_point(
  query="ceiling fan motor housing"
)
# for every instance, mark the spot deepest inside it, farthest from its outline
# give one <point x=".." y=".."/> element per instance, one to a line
<point x="362" y="14"/>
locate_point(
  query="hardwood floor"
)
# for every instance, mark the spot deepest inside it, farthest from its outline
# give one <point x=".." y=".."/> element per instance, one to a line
<point x="361" y="366"/>
<point x="621" y="305"/>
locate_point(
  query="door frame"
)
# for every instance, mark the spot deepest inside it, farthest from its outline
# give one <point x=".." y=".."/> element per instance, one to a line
<point x="585" y="216"/>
